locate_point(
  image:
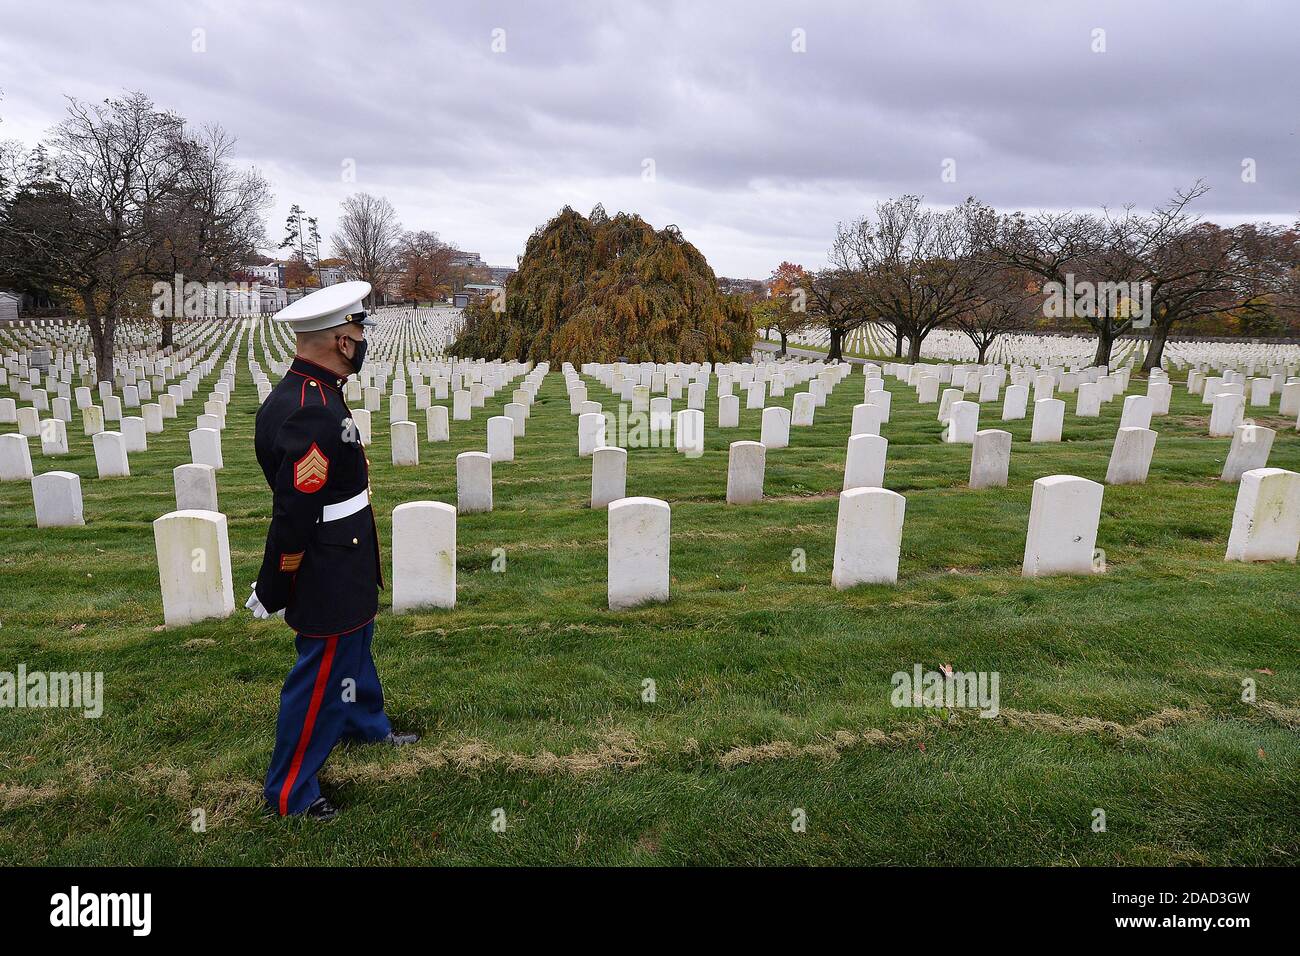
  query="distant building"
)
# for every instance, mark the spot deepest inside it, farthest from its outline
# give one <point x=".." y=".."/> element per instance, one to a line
<point x="741" y="286"/>
<point x="270" y="274"/>
<point x="10" y="302"/>
<point x="271" y="298"/>
<point x="331" y="275"/>
<point x="466" y="260"/>
<point x="500" y="274"/>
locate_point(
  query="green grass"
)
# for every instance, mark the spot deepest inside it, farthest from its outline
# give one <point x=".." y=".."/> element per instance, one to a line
<point x="773" y="689"/>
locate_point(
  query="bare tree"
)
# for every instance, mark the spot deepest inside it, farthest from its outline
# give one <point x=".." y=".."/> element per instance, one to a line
<point x="1007" y="302"/>
<point x="213" y="221"/>
<point x="1202" y="269"/>
<point x="88" y="209"/>
<point x="122" y="193"/>
<point x="833" y="300"/>
<point x="1182" y="267"/>
<point x="368" y="241"/>
<point x="915" y="268"/>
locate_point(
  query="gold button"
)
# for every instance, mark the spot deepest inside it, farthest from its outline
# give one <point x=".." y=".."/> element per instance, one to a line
<point x="355" y="541"/>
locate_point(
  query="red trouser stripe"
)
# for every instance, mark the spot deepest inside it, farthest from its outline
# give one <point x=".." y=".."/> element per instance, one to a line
<point x="304" y="739"/>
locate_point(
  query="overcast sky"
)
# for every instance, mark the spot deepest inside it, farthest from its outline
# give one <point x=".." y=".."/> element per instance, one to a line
<point x="705" y="115"/>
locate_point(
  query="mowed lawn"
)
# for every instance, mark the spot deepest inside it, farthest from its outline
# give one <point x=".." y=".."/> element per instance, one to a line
<point x="1120" y="692"/>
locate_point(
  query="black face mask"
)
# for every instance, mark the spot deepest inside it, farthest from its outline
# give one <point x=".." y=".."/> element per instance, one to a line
<point x="359" y="354"/>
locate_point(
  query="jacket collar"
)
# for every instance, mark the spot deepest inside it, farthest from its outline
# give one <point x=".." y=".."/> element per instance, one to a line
<point x="319" y="373"/>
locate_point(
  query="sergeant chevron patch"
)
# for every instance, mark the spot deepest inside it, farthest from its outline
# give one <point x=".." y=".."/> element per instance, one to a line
<point x="311" y="470"/>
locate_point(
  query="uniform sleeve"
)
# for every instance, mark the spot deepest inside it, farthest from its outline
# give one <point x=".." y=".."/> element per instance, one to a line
<point x="306" y="447"/>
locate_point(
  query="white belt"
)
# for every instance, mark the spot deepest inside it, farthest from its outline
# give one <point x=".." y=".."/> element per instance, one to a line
<point x="345" y="508"/>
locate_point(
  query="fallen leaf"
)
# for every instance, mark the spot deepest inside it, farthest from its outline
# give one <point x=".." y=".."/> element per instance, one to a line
<point x="947" y="669"/>
<point x="1263" y="670"/>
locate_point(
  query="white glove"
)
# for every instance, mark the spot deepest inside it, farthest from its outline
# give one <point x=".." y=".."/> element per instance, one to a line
<point x="254" y="604"/>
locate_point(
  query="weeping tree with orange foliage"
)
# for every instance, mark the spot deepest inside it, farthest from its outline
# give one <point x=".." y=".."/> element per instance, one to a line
<point x="601" y="289"/>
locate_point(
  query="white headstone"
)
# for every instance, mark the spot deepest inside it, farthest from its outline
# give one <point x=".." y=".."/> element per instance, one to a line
<point x="1015" y="403"/>
<point x="1088" y="402"/>
<point x="867" y="419"/>
<point x="1137" y="412"/>
<point x="805" y="406"/>
<point x="868" y="537"/>
<point x="517" y="412"/>
<point x="689" y="437"/>
<point x="963" y="424"/>
<point x="746" y="463"/>
<point x="110" y="455"/>
<point x="864" y="464"/>
<point x="1160" y="394"/>
<point x="1063" y="517"/>
<point x="990" y="459"/>
<point x="1251" y="445"/>
<point x="196" y="487"/>
<point x="729" y="411"/>
<point x="15" y="458"/>
<point x="1225" y="414"/>
<point x="501" y="438"/>
<point x="591" y="433"/>
<point x="1049" y="417"/>
<point x="92" y="420"/>
<point x="205" y="447"/>
<point x="424" y="556"/>
<point x="775" y="431"/>
<point x="608" y="475"/>
<point x="361" y="425"/>
<point x="436" y="425"/>
<point x="405" y="440"/>
<point x="639" y="531"/>
<point x="58" y="500"/>
<point x="1266" y="519"/>
<point x="133" y="434"/>
<point x="473" y="482"/>
<point x="193" y="550"/>
<point x="1130" y="459"/>
<point x="54" y="437"/>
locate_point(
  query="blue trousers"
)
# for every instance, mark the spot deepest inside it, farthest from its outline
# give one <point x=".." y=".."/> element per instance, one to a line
<point x="331" y="694"/>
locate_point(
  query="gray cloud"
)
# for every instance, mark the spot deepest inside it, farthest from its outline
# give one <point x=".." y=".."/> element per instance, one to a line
<point x="758" y="150"/>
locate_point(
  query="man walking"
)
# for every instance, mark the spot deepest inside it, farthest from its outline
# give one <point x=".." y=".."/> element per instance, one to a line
<point x="321" y="566"/>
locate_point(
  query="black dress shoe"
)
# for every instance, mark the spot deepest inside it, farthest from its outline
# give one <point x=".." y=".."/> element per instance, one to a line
<point x="394" y="739"/>
<point x="321" y="809"/>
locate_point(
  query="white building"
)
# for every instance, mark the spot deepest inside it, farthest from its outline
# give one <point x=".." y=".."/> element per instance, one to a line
<point x="9" y="304"/>
<point x="271" y="274"/>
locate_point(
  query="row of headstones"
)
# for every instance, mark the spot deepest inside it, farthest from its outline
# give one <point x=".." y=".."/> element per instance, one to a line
<point x="595" y="426"/>
<point x="58" y="494"/>
<point x="502" y="430"/>
<point x="1061" y="537"/>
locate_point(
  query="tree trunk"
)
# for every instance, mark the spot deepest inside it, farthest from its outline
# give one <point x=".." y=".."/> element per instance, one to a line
<point x="783" y="343"/>
<point x="914" y="349"/>
<point x="837" y="342"/>
<point x="166" y="332"/>
<point x="1105" y="340"/>
<point x="101" y="338"/>
<point x="982" y="351"/>
<point x="898" y="344"/>
<point x="1156" y="349"/>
